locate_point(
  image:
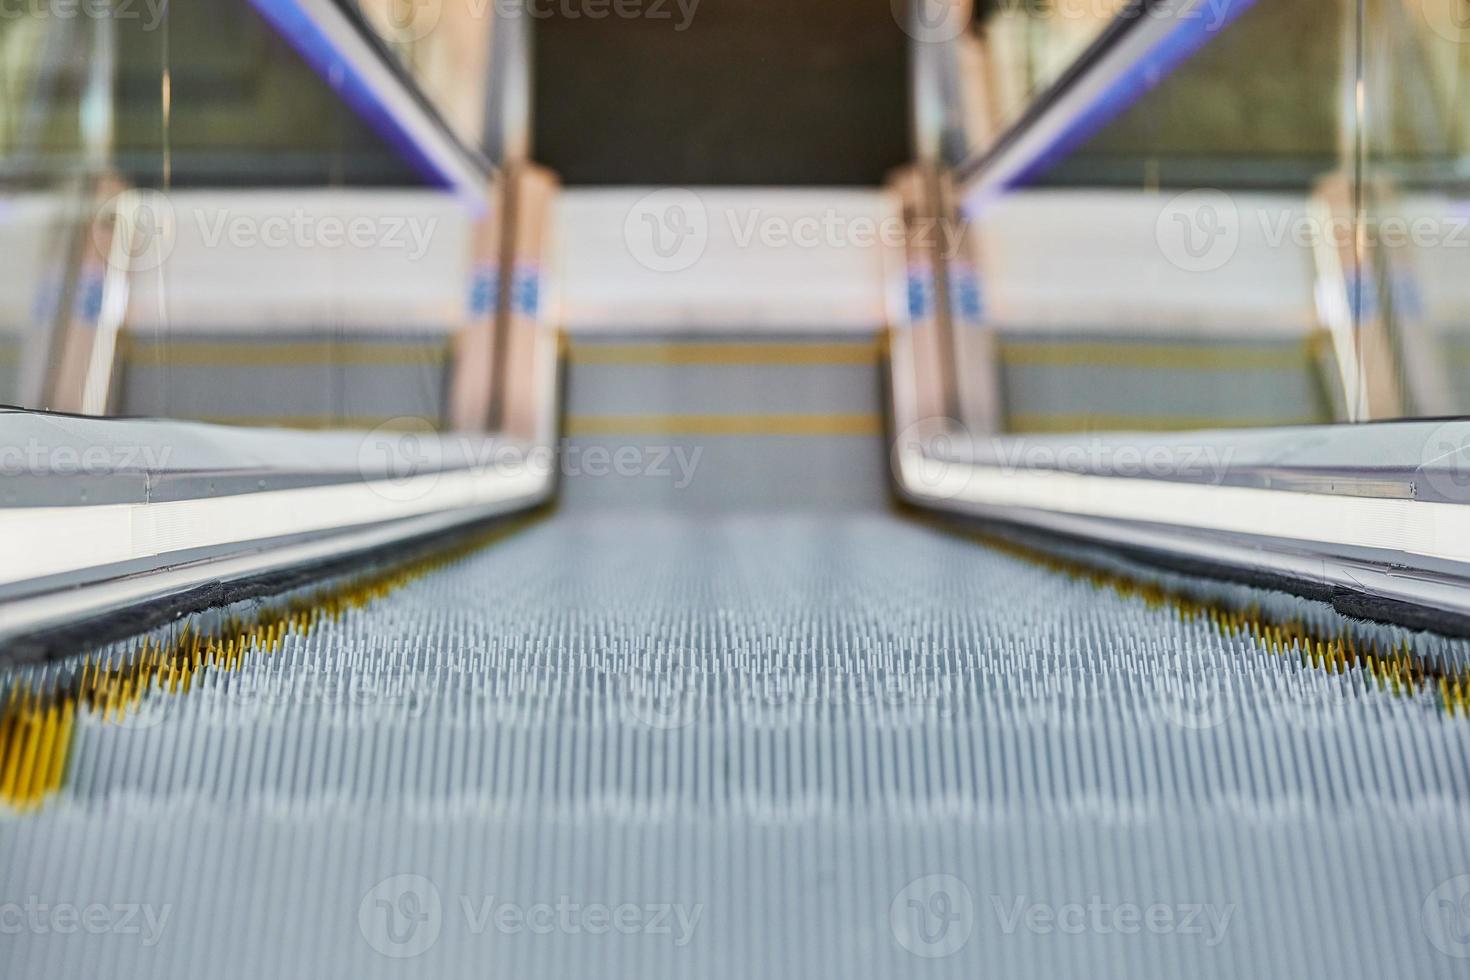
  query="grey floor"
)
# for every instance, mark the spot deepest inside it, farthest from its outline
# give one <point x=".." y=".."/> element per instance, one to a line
<point x="709" y="745"/>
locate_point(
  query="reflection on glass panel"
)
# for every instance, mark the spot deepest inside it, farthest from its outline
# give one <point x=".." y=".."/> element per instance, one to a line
<point x="35" y="238"/>
<point x="198" y="224"/>
<point x="54" y="131"/>
<point x="1021" y="47"/>
<point x="1415" y="198"/>
<point x="440" y="44"/>
<point x="1264" y="236"/>
<point x="1034" y="41"/>
<point x="214" y="97"/>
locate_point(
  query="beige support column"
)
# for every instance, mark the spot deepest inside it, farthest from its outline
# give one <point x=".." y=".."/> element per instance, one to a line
<point x="924" y="332"/>
<point x="472" y="375"/>
<point x="526" y="394"/>
<point x="976" y="371"/>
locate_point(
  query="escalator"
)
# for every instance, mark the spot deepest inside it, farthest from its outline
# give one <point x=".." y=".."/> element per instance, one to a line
<point x="768" y="744"/>
<point x="664" y="730"/>
<point x="413" y="567"/>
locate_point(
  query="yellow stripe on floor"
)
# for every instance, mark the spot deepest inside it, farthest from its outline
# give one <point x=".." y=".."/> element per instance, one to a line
<point x="281" y="355"/>
<point x="726" y="354"/>
<point x="1295" y="357"/>
<point x="861" y="424"/>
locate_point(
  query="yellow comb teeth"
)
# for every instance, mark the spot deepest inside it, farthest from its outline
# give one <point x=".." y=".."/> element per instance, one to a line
<point x="1394" y="668"/>
<point x="36" y="724"/>
<point x="34" y="734"/>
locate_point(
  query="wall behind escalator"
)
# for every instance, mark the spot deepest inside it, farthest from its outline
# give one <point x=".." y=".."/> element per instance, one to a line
<point x="810" y="92"/>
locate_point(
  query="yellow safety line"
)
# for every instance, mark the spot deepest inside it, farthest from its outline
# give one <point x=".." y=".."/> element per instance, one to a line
<point x="726" y="354"/>
<point x="1394" y="668"/>
<point x="36" y="725"/>
<point x="281" y="355"/>
<point x="1177" y="357"/>
<point x="1041" y="423"/>
<point x="862" y="424"/>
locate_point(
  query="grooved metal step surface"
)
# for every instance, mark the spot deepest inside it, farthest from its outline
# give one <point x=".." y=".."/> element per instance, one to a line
<point x="642" y="745"/>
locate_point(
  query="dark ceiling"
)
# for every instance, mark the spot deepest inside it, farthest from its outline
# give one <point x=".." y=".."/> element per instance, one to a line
<point x="721" y="92"/>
